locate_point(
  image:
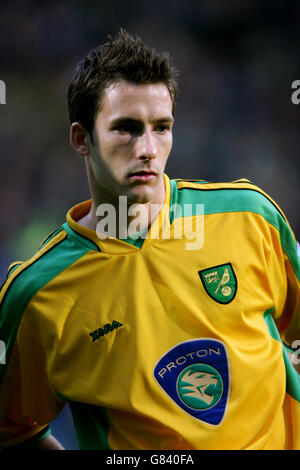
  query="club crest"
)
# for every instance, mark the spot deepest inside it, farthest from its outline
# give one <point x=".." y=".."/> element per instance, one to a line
<point x="195" y="374"/>
<point x="219" y="282"/>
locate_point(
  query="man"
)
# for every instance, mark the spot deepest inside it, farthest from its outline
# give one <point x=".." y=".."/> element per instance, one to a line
<point x="155" y="310"/>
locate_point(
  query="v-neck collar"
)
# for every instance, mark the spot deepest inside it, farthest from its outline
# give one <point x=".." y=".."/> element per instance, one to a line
<point x="110" y="245"/>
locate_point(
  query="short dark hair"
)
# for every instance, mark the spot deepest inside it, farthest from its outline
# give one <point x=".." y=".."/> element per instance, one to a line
<point x="123" y="57"/>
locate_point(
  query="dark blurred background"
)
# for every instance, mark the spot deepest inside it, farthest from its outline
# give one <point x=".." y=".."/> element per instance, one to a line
<point x="234" y="118"/>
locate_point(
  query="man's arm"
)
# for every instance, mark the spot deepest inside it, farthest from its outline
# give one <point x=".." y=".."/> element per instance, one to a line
<point x="49" y="443"/>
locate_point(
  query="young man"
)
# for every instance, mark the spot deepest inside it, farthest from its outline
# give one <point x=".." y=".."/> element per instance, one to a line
<point x="158" y="333"/>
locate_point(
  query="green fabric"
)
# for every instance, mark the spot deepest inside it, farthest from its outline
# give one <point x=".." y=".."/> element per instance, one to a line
<point x="80" y="238"/>
<point x="91" y="423"/>
<point x="28" y="283"/>
<point x="292" y="376"/>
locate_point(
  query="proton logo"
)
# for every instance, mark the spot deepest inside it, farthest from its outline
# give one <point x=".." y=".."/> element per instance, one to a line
<point x="195" y="374"/>
<point x="200" y="386"/>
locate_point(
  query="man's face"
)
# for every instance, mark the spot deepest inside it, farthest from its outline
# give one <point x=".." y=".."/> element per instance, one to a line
<point x="132" y="141"/>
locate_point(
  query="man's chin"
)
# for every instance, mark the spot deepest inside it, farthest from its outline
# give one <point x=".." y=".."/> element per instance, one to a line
<point x="139" y="197"/>
<point x="145" y="192"/>
<point x="140" y="193"/>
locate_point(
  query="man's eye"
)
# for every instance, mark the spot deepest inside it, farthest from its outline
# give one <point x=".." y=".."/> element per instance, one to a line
<point x="128" y="128"/>
<point x="162" y="128"/>
<point x="124" y="128"/>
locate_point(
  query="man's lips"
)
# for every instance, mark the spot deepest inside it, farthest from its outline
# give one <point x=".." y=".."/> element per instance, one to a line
<point x="142" y="175"/>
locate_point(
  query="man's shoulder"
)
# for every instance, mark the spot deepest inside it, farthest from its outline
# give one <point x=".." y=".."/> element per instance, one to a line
<point x="205" y="186"/>
<point x="239" y="195"/>
<point x="59" y="251"/>
<point x="24" y="278"/>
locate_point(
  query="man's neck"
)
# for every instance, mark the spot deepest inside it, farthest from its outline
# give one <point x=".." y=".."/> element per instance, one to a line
<point x="124" y="218"/>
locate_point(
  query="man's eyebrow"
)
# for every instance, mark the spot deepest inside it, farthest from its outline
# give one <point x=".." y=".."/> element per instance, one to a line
<point x="166" y="119"/>
<point x="128" y="120"/>
<point x="123" y="120"/>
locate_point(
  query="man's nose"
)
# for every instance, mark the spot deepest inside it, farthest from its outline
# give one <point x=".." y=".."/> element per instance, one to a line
<point x="146" y="148"/>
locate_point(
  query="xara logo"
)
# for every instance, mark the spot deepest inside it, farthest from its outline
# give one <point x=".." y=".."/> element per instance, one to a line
<point x="105" y="329"/>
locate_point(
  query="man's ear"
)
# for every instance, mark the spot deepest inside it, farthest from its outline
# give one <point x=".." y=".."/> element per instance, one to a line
<point x="79" y="139"/>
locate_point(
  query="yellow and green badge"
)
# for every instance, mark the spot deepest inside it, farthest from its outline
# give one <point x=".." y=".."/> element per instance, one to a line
<point x="219" y="282"/>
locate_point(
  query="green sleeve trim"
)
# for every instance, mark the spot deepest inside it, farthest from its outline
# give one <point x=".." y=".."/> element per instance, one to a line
<point x="45" y="434"/>
<point x="292" y="376"/>
<point x="27" y="283"/>
<point x="240" y="200"/>
<point x="32" y="441"/>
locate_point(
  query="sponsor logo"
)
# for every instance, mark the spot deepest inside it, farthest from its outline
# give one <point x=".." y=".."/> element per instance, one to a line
<point x="97" y="334"/>
<point x="219" y="282"/>
<point x="195" y="375"/>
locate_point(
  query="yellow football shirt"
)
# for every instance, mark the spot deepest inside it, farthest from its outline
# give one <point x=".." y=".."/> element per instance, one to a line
<point x="173" y="341"/>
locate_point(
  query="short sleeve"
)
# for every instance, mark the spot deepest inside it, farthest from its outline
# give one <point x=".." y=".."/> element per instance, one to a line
<point x="283" y="269"/>
<point x="28" y="403"/>
<point x="289" y="325"/>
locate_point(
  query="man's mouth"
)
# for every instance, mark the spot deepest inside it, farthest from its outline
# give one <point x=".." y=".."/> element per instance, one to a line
<point x="142" y="175"/>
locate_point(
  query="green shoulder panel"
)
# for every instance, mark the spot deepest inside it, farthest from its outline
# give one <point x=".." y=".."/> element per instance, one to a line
<point x="22" y="286"/>
<point x="237" y="196"/>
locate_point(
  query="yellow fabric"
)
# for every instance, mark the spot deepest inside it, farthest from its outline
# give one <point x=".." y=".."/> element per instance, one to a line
<point x="156" y="294"/>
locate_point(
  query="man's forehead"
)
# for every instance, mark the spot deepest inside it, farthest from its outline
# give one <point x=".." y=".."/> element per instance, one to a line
<point x="124" y="88"/>
<point x="130" y="95"/>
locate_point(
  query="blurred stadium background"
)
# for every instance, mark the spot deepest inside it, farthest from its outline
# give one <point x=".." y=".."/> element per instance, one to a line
<point x="234" y="117"/>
